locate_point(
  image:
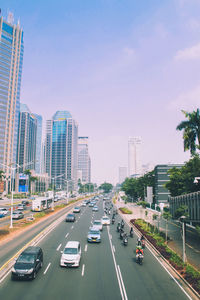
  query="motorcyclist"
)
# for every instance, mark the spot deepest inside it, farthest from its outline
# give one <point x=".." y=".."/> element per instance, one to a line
<point x="142" y="238"/>
<point x="139" y="242"/>
<point x="131" y="232"/>
<point x="139" y="250"/>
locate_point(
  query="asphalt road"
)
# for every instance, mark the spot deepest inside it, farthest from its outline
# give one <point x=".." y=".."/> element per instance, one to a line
<point x="107" y="271"/>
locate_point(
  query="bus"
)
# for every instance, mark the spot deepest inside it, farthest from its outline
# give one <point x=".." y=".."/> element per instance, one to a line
<point x="42" y="203"/>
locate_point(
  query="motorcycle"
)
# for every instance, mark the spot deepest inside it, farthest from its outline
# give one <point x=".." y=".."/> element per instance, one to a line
<point x="118" y="227"/>
<point x="125" y="240"/>
<point x="113" y="221"/>
<point x="122" y="224"/>
<point x="121" y="235"/>
<point x="139" y="258"/>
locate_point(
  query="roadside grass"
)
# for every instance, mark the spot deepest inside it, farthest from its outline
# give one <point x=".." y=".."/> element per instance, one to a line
<point x="125" y="210"/>
<point x="187" y="271"/>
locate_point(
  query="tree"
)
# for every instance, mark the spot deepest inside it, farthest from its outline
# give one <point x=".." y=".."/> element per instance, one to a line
<point x="181" y="211"/>
<point x="106" y="187"/>
<point x="2" y="175"/>
<point x="181" y="181"/>
<point x="167" y="216"/>
<point x="191" y="131"/>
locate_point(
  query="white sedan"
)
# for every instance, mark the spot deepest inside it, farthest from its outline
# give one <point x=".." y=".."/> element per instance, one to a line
<point x="105" y="220"/>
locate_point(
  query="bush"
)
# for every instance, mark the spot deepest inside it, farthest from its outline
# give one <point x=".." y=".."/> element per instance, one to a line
<point x="125" y="210"/>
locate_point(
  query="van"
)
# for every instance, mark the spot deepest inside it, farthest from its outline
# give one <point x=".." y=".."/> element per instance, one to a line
<point x="71" y="255"/>
<point x="28" y="263"/>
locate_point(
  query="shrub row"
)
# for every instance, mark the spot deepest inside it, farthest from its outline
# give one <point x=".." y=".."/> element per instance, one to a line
<point x="125" y="210"/>
<point x="157" y="239"/>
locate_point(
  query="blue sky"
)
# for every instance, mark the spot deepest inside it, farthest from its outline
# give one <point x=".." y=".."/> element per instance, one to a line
<point x="121" y="67"/>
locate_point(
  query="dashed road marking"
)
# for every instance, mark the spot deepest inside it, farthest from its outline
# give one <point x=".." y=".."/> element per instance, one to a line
<point x="67" y="235"/>
<point x="86" y="246"/>
<point x="59" y="247"/>
<point x="83" y="270"/>
<point x="47" y="268"/>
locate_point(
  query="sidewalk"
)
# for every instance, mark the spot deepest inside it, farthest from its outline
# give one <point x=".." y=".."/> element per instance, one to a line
<point x="193" y="255"/>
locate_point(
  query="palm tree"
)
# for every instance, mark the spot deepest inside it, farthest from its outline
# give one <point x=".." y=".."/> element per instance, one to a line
<point x="191" y="131"/>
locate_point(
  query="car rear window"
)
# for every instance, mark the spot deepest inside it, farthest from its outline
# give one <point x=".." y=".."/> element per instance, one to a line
<point x="70" y="251"/>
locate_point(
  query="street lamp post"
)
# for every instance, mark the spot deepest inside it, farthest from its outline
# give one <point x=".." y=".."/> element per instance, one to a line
<point x="183" y="218"/>
<point x="54" y="188"/>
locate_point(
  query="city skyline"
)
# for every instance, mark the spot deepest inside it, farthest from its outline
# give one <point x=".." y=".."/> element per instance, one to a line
<point x="122" y="69"/>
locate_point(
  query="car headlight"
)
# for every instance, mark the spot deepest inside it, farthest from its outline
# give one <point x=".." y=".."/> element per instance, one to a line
<point x="29" y="271"/>
<point x="13" y="270"/>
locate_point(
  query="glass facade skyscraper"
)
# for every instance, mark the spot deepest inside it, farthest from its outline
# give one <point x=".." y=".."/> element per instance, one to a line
<point x="26" y="150"/>
<point x="11" y="59"/>
<point x="38" y="164"/>
<point x="61" y="150"/>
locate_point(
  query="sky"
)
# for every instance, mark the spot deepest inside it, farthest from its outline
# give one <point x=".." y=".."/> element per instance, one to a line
<point x="121" y="67"/>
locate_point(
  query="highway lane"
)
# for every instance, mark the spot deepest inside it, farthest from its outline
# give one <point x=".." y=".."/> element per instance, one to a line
<point x="98" y="276"/>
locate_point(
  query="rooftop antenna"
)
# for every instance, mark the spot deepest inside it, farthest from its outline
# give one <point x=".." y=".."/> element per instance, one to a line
<point x="10" y="18"/>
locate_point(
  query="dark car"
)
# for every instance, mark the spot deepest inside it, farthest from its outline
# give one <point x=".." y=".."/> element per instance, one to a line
<point x="70" y="218"/>
<point x="25" y="202"/>
<point x="28" y="263"/>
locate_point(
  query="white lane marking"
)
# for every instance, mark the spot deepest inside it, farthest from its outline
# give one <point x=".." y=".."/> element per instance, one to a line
<point x="47" y="268"/>
<point x="67" y="235"/>
<point x="83" y="270"/>
<point x="116" y="269"/>
<point x="86" y="247"/>
<point x="120" y="274"/>
<point x="113" y="248"/>
<point x="110" y="236"/>
<point x="72" y="227"/>
<point x="59" y="247"/>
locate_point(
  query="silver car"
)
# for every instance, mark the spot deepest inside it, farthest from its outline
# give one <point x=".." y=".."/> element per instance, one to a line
<point x="94" y="235"/>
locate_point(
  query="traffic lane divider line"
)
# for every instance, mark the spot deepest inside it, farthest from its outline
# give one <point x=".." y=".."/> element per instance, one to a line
<point x="67" y="235"/>
<point x="124" y="290"/>
<point x="115" y="265"/>
<point x="47" y="268"/>
<point x="59" y="247"/>
<point x="86" y="247"/>
<point x="83" y="270"/>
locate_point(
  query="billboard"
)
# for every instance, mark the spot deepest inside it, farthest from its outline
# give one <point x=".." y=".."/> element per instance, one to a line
<point x="23" y="183"/>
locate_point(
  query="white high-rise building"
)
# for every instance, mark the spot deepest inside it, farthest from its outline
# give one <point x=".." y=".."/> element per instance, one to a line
<point x="84" y="159"/>
<point x="134" y="157"/>
<point x="122" y="174"/>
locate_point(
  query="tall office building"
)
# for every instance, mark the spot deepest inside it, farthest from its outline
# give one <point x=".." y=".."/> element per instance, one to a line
<point x="122" y="174"/>
<point x="84" y="164"/>
<point x="61" y="150"/>
<point x="26" y="150"/>
<point x="11" y="59"/>
<point x="134" y="159"/>
<point x="38" y="164"/>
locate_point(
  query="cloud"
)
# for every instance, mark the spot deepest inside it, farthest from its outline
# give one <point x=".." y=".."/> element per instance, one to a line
<point x="189" y="53"/>
<point x="129" y="51"/>
<point x="187" y="101"/>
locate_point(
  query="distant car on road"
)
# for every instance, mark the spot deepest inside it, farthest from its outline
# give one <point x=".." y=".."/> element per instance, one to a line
<point x="94" y="235"/>
<point x="83" y="204"/>
<point x="25" y="202"/>
<point x="105" y="220"/>
<point x="21" y="207"/>
<point x="76" y="209"/>
<point x="98" y="224"/>
<point x="2" y="215"/>
<point x="28" y="263"/>
<point x="95" y="208"/>
<point x="17" y="215"/>
<point x="3" y="211"/>
<point x="70" y="218"/>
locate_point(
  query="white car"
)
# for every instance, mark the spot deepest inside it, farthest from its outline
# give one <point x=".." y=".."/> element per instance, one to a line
<point x="105" y="220"/>
<point x="71" y="255"/>
<point x="98" y="224"/>
<point x="3" y="211"/>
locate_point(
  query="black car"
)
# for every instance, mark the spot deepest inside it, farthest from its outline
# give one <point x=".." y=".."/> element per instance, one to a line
<point x="70" y="218"/>
<point x="28" y="263"/>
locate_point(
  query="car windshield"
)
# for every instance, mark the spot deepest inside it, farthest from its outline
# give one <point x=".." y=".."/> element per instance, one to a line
<point x="105" y="218"/>
<point x="97" y="223"/>
<point x="70" y="251"/>
<point x="70" y="215"/>
<point x="94" y="232"/>
<point x="26" y="258"/>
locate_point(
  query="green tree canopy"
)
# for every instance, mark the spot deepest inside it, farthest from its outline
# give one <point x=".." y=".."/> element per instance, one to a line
<point x="106" y="187"/>
<point x="182" y="180"/>
<point x="191" y="131"/>
<point x="136" y="187"/>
